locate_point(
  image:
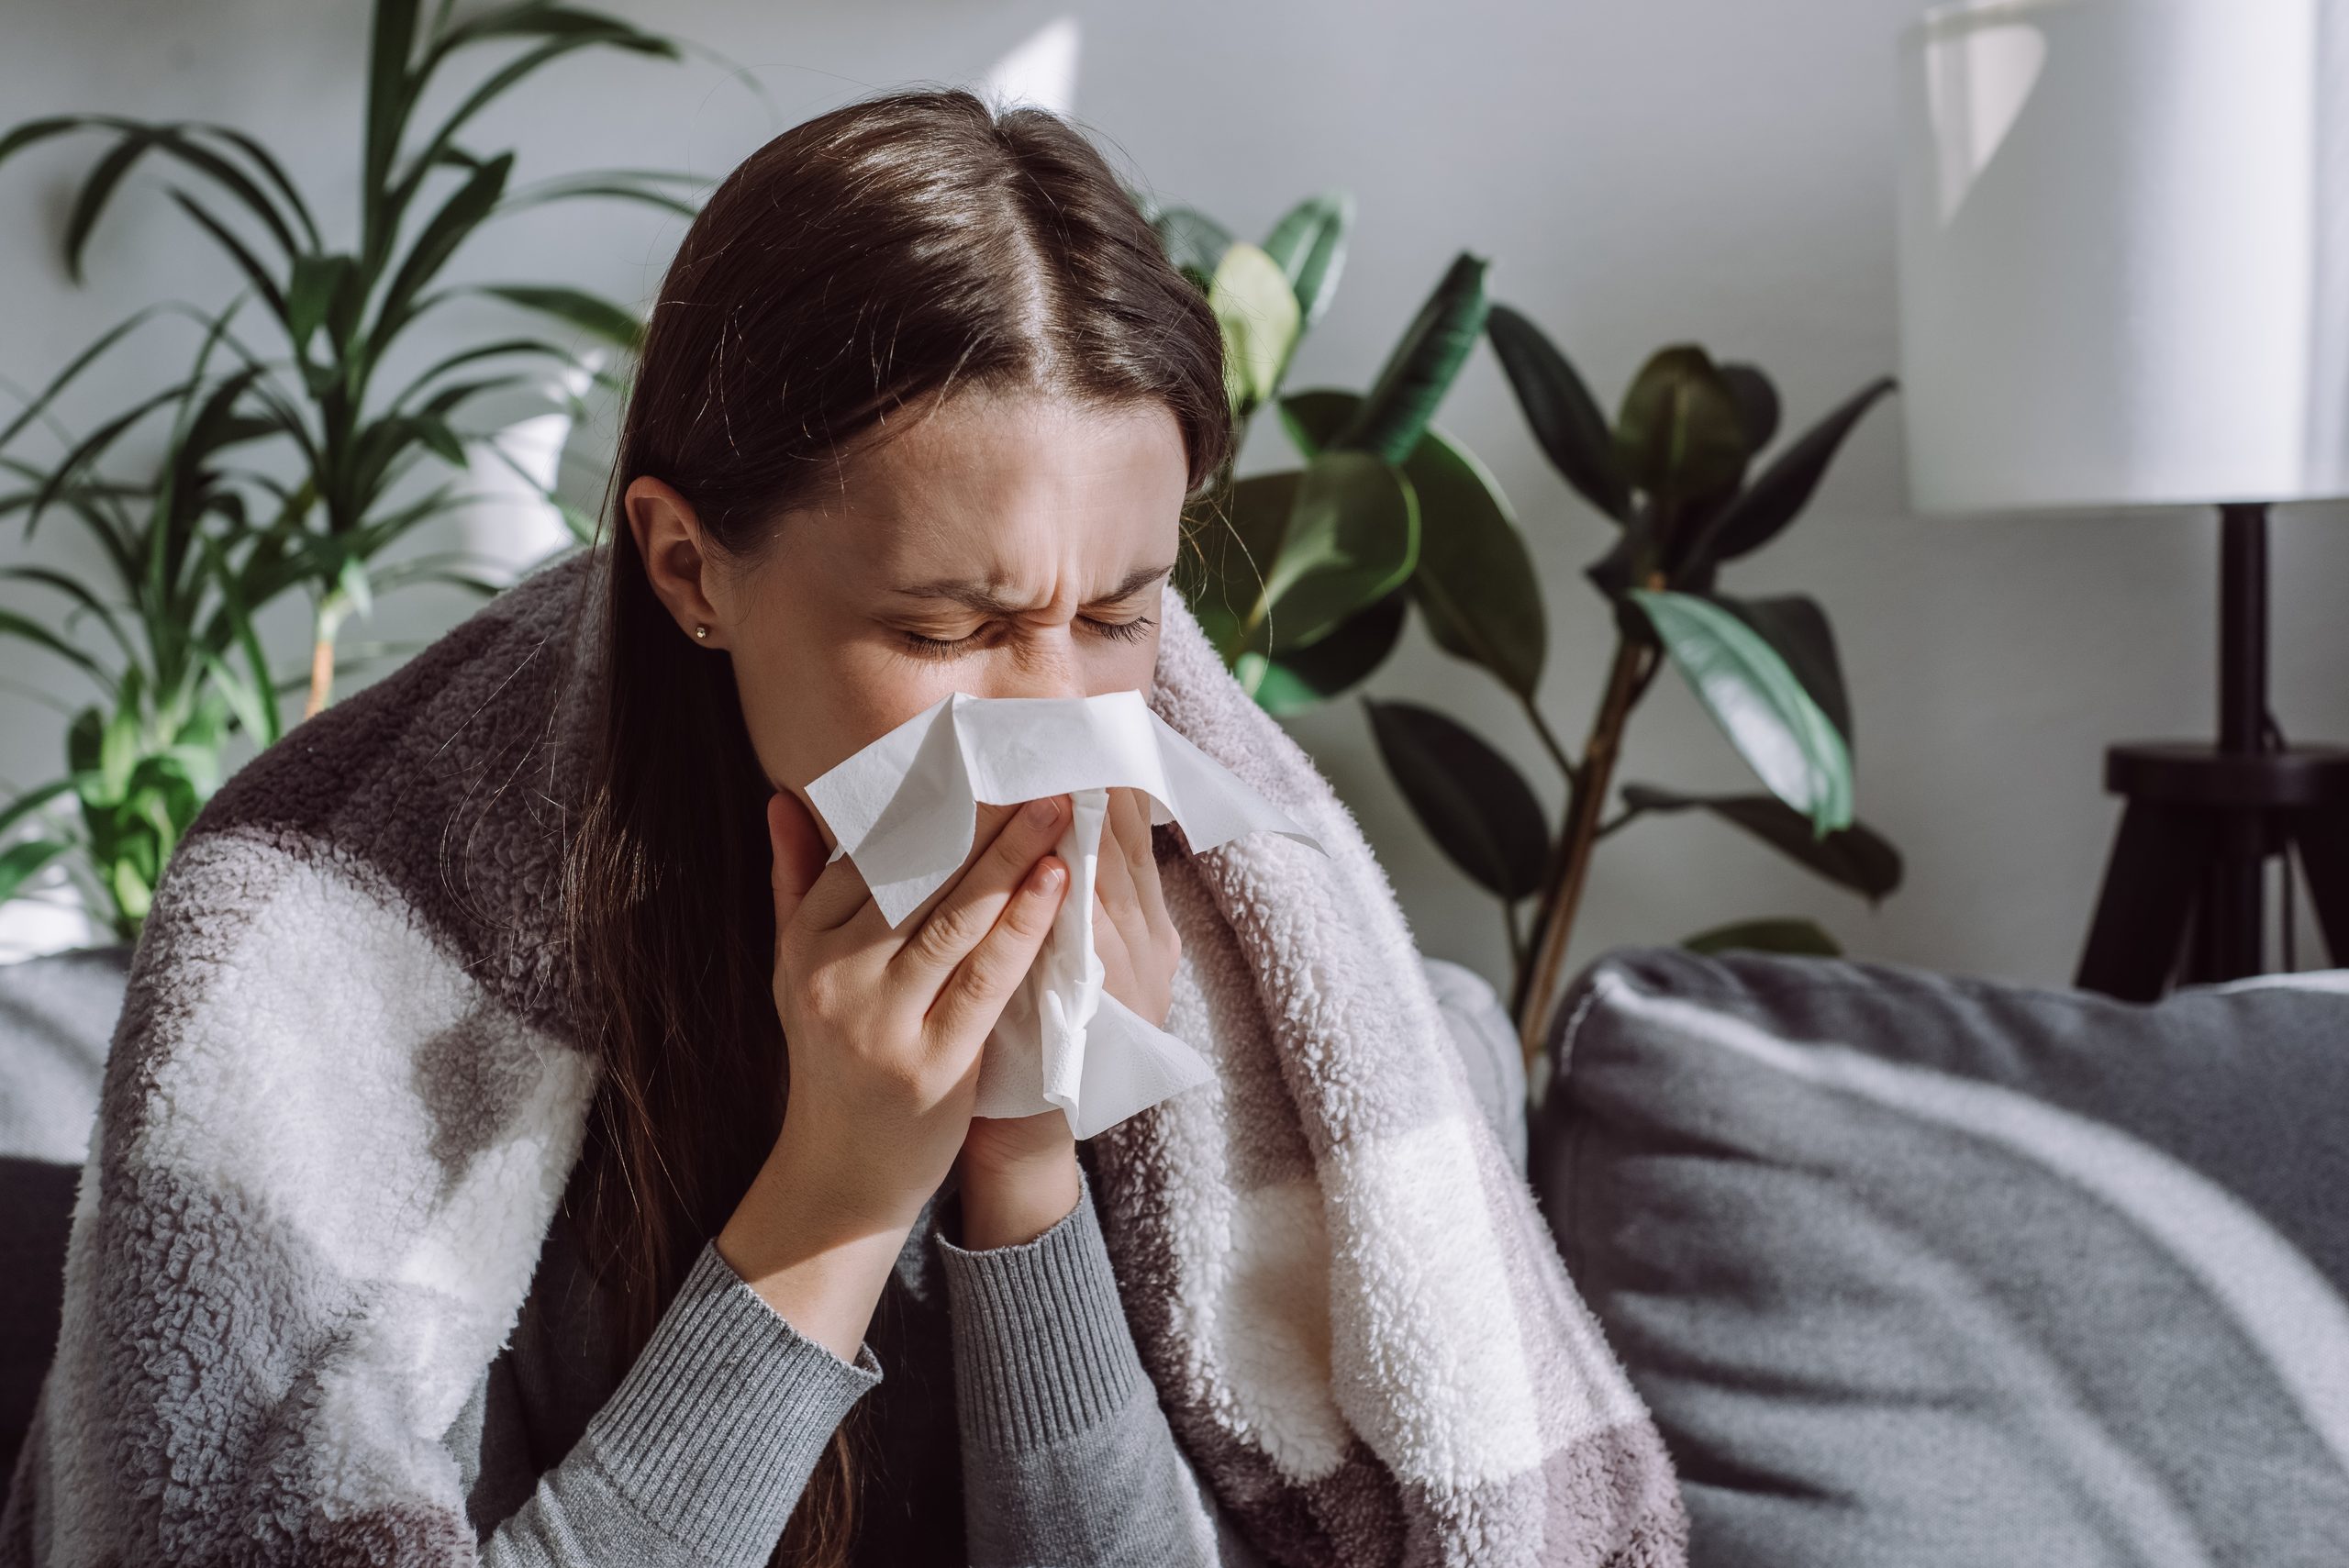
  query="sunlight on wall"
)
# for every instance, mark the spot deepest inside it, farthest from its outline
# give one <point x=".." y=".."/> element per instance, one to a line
<point x="1042" y="70"/>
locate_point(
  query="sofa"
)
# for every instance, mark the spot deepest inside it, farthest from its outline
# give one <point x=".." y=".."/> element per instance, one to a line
<point x="1912" y="1270"/>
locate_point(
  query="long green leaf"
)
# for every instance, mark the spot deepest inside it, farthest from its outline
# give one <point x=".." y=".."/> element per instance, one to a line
<point x="74" y="367"/>
<point x="247" y="262"/>
<point x="598" y="317"/>
<point x="1424" y="362"/>
<point x="1791" y="745"/>
<point x="20" y="863"/>
<point x="463" y="212"/>
<point x="25" y="135"/>
<point x="389" y="99"/>
<point x="97" y="188"/>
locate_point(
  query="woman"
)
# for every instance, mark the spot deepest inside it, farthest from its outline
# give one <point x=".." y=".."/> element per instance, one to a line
<point x="495" y="1119"/>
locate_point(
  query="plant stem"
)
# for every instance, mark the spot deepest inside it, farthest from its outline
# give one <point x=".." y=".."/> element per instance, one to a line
<point x="1625" y="681"/>
<point x="322" y="675"/>
<point x="1549" y="741"/>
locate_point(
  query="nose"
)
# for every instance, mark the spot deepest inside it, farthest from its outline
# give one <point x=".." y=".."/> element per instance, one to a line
<point x="1043" y="666"/>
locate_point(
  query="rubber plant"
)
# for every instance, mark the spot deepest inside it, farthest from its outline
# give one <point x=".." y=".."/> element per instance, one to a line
<point x="1308" y="575"/>
<point x="340" y="306"/>
<point x="1298" y="576"/>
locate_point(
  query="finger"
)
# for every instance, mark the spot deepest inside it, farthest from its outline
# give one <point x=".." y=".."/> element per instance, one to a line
<point x="1148" y="891"/>
<point x="838" y="893"/>
<point x="871" y="928"/>
<point x="1113" y="885"/>
<point x="972" y="997"/>
<point x="962" y="917"/>
<point x="796" y="853"/>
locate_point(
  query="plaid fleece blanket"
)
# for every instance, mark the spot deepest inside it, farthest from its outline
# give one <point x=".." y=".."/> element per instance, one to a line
<point x="345" y="1093"/>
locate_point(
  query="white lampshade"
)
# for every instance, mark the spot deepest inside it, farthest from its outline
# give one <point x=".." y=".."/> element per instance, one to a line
<point x="2124" y="252"/>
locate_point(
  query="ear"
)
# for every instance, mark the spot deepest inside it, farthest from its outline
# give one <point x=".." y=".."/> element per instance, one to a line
<point x="677" y="560"/>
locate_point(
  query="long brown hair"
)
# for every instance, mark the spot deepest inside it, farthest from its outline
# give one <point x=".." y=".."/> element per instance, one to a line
<point x="898" y="249"/>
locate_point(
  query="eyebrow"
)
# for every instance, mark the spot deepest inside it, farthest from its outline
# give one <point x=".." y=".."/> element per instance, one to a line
<point x="986" y="600"/>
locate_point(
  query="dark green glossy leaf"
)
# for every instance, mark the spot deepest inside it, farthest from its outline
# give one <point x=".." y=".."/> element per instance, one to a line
<point x="1797" y="938"/>
<point x="1856" y="857"/>
<point x="1309" y="243"/>
<point x="1476" y="807"/>
<point x="1784" y="736"/>
<point x="1678" y="436"/>
<point x="1757" y="404"/>
<point x="1422" y="369"/>
<point x="1307" y="677"/>
<point x="1564" y="417"/>
<point x="1193" y="241"/>
<point x="1476" y="582"/>
<point x="1785" y="487"/>
<point x="1797" y="628"/>
<point x="1353" y="536"/>
<point x="1235" y="542"/>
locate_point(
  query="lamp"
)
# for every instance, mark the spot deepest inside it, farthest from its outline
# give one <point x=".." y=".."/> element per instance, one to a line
<point x="2124" y="282"/>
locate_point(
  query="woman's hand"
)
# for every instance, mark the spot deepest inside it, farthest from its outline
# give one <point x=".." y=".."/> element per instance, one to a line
<point x="884" y="1029"/>
<point x="1019" y="1173"/>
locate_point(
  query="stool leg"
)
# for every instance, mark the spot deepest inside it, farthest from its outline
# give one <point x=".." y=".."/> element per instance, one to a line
<point x="2321" y="834"/>
<point x="2157" y="863"/>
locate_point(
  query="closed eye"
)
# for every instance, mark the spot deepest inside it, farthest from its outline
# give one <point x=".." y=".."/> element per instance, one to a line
<point x="1130" y="631"/>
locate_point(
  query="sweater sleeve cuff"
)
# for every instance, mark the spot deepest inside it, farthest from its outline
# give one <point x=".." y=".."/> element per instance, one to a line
<point x="1041" y="1348"/>
<point x="714" y="1430"/>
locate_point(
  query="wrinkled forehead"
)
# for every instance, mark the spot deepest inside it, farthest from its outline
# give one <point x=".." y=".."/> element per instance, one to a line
<point x="1016" y="491"/>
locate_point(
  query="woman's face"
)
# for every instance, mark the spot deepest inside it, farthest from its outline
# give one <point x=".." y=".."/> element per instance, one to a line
<point x="1004" y="546"/>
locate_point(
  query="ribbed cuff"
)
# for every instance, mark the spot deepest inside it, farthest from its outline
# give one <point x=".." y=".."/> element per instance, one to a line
<point x="1042" y="1348"/>
<point x="714" y="1431"/>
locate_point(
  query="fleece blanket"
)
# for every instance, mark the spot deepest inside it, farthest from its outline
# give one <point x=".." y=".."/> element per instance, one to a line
<point x="346" y="1090"/>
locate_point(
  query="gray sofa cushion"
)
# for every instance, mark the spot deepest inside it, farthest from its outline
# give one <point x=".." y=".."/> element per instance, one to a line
<point x="1922" y="1271"/>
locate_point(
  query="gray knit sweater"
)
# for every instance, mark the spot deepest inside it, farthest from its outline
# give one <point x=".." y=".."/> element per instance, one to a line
<point x="1050" y="1432"/>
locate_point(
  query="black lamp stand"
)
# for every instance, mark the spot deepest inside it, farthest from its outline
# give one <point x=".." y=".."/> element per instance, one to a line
<point x="2182" y="895"/>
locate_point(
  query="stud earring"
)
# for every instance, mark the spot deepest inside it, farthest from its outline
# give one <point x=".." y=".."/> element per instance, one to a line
<point x="701" y="631"/>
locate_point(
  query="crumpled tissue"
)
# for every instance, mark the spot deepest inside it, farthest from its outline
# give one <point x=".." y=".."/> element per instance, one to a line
<point x="904" y="808"/>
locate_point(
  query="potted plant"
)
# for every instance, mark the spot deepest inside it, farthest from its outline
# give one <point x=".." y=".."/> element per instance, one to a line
<point x="1306" y="578"/>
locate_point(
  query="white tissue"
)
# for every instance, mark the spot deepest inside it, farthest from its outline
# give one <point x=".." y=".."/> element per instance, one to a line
<point x="904" y="807"/>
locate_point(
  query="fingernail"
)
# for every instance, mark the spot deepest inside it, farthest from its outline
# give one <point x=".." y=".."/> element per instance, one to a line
<point x="1048" y="877"/>
<point x="1042" y="811"/>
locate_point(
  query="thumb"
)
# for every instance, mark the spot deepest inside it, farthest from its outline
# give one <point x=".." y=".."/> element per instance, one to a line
<point x="798" y="854"/>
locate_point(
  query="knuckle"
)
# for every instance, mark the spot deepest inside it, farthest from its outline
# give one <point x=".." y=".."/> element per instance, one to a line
<point x="946" y="933"/>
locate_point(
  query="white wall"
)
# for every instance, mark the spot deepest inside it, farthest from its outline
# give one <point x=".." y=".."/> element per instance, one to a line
<point x="1669" y="170"/>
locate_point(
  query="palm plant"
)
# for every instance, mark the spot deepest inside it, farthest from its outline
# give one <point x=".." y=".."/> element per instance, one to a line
<point x="179" y="664"/>
<point x="342" y="309"/>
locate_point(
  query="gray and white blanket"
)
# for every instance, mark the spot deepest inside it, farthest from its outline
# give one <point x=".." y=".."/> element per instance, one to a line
<point x="346" y="1091"/>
